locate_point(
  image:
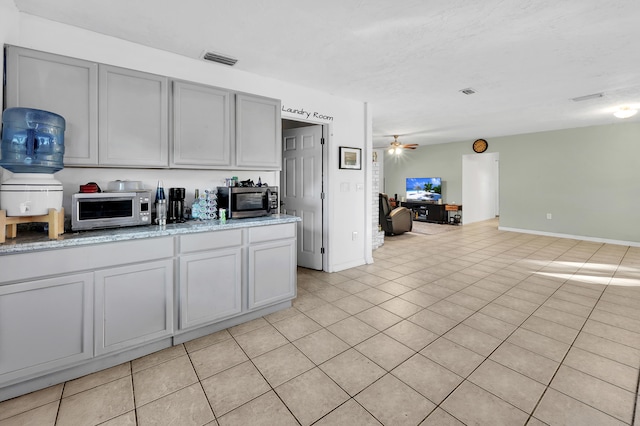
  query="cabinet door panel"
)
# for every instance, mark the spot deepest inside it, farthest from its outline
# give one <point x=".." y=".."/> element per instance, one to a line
<point x="272" y="232"/>
<point x="201" y="125"/>
<point x="210" y="241"/>
<point x="65" y="86"/>
<point x="258" y="132"/>
<point x="133" y="118"/>
<point x="134" y="305"/>
<point x="272" y="273"/>
<point x="210" y="286"/>
<point x="45" y="324"/>
<point x="436" y="213"/>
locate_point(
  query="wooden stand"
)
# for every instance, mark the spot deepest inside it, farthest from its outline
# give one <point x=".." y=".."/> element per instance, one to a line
<point x="9" y="225"/>
<point x="457" y="217"/>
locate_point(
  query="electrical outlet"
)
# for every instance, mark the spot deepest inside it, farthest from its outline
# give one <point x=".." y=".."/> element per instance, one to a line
<point x="549" y="216"/>
<point x="354" y="236"/>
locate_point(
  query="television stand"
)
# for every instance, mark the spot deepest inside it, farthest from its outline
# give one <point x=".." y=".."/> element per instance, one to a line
<point x="425" y="211"/>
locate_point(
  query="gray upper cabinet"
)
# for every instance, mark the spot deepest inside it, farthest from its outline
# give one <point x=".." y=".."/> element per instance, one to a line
<point x="258" y="133"/>
<point x="118" y="117"/>
<point x="201" y="126"/>
<point x="133" y="118"/>
<point x="65" y="86"/>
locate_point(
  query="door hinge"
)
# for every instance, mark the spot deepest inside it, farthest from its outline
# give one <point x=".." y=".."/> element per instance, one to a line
<point x="321" y="250"/>
<point x="322" y="195"/>
<point x="321" y="141"/>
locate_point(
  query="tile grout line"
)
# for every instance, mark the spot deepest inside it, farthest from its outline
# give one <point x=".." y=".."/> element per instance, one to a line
<point x="199" y="382"/>
<point x="133" y="391"/>
<point x="55" y="421"/>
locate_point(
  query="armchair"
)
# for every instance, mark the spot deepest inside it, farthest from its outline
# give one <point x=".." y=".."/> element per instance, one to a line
<point x="396" y="221"/>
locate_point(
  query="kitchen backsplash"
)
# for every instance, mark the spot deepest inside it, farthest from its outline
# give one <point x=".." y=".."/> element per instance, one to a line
<point x="72" y="178"/>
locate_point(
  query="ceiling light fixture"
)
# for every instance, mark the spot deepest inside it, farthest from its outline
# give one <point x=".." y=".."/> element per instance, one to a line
<point x="468" y="91"/>
<point x="396" y="151"/>
<point x="625" y="112"/>
<point x="397" y="147"/>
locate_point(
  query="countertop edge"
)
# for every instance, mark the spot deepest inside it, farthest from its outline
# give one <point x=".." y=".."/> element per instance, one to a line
<point x="75" y="239"/>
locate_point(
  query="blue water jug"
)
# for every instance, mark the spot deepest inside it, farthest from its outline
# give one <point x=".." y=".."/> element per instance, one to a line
<point x="32" y="141"/>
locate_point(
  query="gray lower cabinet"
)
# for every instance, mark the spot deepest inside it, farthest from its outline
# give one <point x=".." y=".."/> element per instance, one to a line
<point x="65" y="86"/>
<point x="210" y="277"/>
<point x="45" y="324"/>
<point x="258" y="132"/>
<point x="133" y="118"/>
<point x="210" y="286"/>
<point x="272" y="265"/>
<point x="108" y="302"/>
<point x="201" y="126"/>
<point x="133" y="305"/>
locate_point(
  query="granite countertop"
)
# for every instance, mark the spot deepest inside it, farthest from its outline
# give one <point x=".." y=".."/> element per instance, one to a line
<point x="29" y="241"/>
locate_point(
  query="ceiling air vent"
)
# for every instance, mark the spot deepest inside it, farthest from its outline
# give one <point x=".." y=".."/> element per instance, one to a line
<point x="587" y="97"/>
<point x="468" y="91"/>
<point x="221" y="59"/>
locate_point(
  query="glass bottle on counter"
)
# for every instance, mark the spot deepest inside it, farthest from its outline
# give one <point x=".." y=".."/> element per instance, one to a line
<point x="161" y="205"/>
<point x="195" y="206"/>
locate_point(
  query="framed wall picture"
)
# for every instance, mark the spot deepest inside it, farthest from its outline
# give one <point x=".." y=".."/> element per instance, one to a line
<point x="350" y="158"/>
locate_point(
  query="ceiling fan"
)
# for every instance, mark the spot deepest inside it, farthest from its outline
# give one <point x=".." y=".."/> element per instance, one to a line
<point x="396" y="146"/>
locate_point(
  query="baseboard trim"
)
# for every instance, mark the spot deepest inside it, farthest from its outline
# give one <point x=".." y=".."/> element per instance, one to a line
<point x="573" y="237"/>
<point x="347" y="265"/>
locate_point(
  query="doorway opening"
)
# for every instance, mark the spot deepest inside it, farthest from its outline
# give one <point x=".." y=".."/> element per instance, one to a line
<point x="302" y="184"/>
<point x="481" y="186"/>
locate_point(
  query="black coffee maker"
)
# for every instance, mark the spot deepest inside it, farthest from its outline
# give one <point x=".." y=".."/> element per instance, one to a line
<point x="175" y="210"/>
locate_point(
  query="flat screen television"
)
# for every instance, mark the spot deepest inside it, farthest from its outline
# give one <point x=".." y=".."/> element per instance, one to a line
<point x="424" y="189"/>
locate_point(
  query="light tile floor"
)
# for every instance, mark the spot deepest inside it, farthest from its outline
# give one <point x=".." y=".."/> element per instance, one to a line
<point x="472" y="326"/>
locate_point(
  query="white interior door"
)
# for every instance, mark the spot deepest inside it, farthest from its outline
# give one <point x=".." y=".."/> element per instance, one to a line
<point x="301" y="190"/>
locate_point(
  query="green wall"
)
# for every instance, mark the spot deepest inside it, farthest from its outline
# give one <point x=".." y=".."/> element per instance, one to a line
<point x="444" y="161"/>
<point x="588" y="179"/>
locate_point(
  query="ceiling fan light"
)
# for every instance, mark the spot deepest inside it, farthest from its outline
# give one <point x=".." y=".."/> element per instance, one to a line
<point x="625" y="112"/>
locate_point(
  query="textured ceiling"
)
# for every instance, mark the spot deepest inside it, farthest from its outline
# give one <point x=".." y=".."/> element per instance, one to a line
<point x="408" y="58"/>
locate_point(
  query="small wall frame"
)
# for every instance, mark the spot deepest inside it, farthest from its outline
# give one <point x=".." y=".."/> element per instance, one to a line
<point x="350" y="158"/>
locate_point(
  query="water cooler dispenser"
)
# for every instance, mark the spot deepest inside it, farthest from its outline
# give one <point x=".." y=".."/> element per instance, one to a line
<point x="32" y="149"/>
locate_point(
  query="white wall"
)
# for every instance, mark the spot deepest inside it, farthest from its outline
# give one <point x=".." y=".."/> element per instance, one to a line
<point x="347" y="126"/>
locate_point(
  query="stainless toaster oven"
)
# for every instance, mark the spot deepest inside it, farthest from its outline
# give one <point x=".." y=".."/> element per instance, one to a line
<point x="110" y="210"/>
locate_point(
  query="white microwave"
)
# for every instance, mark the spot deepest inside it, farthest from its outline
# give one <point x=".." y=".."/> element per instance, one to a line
<point x="100" y="210"/>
